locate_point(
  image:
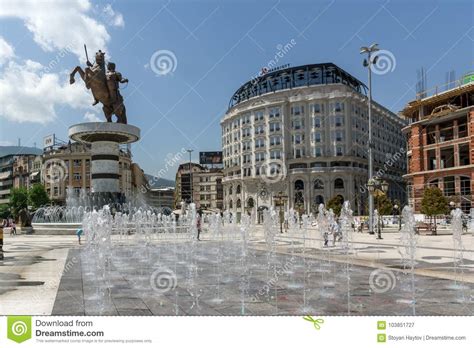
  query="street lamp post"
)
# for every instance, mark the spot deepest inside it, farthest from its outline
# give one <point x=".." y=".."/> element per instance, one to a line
<point x="368" y="64"/>
<point x="190" y="174"/>
<point x="397" y="208"/>
<point x="280" y="197"/>
<point x="377" y="188"/>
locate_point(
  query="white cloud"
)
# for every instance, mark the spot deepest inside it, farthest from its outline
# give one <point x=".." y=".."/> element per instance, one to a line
<point x="61" y="24"/>
<point x="27" y="94"/>
<point x="91" y="117"/>
<point x="6" y="51"/>
<point x="113" y="17"/>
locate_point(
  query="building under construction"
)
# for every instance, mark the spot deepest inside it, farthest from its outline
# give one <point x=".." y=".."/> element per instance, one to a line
<point x="440" y="138"/>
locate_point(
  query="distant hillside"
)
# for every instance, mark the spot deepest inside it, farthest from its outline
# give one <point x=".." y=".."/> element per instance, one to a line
<point x="160" y="182"/>
<point x="19" y="150"/>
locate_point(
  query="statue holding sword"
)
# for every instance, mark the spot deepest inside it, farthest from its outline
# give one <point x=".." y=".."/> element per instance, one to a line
<point x="104" y="86"/>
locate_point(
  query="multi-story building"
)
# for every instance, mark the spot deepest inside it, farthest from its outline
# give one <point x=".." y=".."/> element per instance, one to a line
<point x="69" y="166"/>
<point x="441" y="144"/>
<point x="15" y="165"/>
<point x="206" y="183"/>
<point x="161" y="197"/>
<point x="303" y="131"/>
<point x="26" y="170"/>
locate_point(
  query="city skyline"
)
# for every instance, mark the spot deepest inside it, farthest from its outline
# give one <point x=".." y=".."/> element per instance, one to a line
<point x="209" y="50"/>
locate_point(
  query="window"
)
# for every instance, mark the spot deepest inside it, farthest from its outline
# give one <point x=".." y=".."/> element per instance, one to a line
<point x="259" y="156"/>
<point x="298" y="138"/>
<point x="76" y="163"/>
<point x="465" y="185"/>
<point x="77" y="176"/>
<point x="275" y="154"/>
<point x="297" y="110"/>
<point x="297" y="124"/>
<point x="230" y="189"/>
<point x="246" y="145"/>
<point x="317" y="122"/>
<point x="260" y="142"/>
<point x="338" y="135"/>
<point x="447" y="157"/>
<point x="336" y="107"/>
<point x="317" y="108"/>
<point x="246" y="159"/>
<point x="274" y="126"/>
<point x="275" y="140"/>
<point x="237" y="189"/>
<point x="464" y="154"/>
<point x="318" y="184"/>
<point x="339" y="151"/>
<point x="339" y="121"/>
<point x="449" y="186"/>
<point x="299" y="153"/>
<point x="318" y="152"/>
<point x="259" y="129"/>
<point x="274" y="112"/>
<point x="338" y="183"/>
<point x="245" y="132"/>
<point x="317" y="137"/>
<point x="258" y="116"/>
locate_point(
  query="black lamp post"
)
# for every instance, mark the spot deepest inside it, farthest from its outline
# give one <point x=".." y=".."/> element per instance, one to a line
<point x="377" y="188"/>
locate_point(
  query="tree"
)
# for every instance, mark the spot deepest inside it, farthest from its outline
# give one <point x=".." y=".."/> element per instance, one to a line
<point x="4" y="211"/>
<point x="37" y="196"/>
<point x="18" y="200"/>
<point x="434" y="203"/>
<point x="383" y="204"/>
<point x="335" y="204"/>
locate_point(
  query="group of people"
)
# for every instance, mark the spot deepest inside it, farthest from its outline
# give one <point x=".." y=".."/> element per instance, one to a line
<point x="9" y="223"/>
<point x="334" y="231"/>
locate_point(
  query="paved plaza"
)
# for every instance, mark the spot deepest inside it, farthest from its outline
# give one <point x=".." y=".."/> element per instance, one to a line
<point x="54" y="275"/>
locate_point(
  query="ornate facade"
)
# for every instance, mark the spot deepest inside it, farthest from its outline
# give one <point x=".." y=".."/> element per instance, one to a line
<point x="307" y="142"/>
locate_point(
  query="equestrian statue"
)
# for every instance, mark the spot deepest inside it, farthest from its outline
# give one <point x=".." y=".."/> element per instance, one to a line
<point x="104" y="85"/>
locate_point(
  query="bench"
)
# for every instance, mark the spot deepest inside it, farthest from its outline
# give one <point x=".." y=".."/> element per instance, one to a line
<point x="423" y="226"/>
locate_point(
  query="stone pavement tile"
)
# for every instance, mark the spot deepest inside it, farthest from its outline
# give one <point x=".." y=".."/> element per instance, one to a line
<point x="129" y="303"/>
<point x="135" y="312"/>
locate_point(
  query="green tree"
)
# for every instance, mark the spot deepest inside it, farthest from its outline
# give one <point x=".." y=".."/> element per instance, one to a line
<point x="37" y="196"/>
<point x="4" y="211"/>
<point x="383" y="204"/>
<point x="335" y="204"/>
<point x="434" y="203"/>
<point x="18" y="200"/>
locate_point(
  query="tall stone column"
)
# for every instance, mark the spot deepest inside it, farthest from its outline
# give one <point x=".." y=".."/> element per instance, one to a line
<point x="105" y="139"/>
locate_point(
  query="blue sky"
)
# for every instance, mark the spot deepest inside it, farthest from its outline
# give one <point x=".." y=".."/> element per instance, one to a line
<point x="218" y="46"/>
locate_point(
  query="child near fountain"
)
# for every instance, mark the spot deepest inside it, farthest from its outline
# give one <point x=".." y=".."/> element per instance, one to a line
<point x="79" y="234"/>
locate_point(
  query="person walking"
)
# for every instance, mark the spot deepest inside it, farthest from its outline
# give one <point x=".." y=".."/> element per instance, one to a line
<point x="198" y="224"/>
<point x="14" y="228"/>
<point x="1" y="238"/>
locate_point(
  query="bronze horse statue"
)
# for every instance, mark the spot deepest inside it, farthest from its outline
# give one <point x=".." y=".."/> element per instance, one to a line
<point x="104" y="86"/>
